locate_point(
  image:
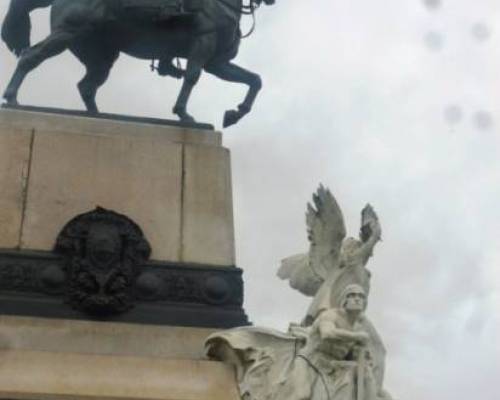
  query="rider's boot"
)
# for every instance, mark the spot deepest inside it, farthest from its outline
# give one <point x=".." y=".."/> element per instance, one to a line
<point x="166" y="68"/>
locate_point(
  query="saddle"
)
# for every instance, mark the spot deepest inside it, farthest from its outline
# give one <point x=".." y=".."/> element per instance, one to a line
<point x="162" y="9"/>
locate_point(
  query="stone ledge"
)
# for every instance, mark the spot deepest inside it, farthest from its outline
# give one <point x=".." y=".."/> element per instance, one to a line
<point x="44" y="375"/>
<point x="33" y="118"/>
<point x="35" y="284"/>
<point x="90" y="337"/>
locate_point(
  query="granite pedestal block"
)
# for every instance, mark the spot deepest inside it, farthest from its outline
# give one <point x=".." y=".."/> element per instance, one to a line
<point x="116" y="258"/>
<point x="174" y="182"/>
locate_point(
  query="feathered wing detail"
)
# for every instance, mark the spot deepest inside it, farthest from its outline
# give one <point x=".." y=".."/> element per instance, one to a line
<point x="301" y="277"/>
<point x="326" y="231"/>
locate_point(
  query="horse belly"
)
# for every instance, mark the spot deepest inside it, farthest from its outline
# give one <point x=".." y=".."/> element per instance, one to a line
<point x="155" y="44"/>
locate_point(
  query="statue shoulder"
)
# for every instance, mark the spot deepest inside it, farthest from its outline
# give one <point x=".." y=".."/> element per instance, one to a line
<point x="331" y="314"/>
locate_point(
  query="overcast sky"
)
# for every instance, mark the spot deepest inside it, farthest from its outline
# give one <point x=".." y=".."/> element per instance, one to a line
<point x="392" y="102"/>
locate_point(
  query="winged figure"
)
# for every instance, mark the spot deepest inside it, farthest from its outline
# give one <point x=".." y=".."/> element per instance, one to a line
<point x="335" y="353"/>
<point x="333" y="261"/>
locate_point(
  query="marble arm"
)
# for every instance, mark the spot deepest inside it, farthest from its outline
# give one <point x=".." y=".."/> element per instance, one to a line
<point x="328" y="331"/>
<point x="365" y="251"/>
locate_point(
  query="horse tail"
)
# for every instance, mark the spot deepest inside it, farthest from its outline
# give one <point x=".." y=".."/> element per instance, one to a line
<point x="16" y="28"/>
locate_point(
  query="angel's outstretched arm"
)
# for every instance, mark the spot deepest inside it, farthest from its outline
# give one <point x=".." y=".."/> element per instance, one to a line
<point x="370" y="234"/>
<point x="373" y="239"/>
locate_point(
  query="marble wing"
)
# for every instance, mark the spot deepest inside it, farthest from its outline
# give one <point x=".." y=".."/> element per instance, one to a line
<point x="326" y="231"/>
<point x="354" y="257"/>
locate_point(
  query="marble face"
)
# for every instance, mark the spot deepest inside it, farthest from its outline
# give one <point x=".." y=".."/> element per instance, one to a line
<point x="354" y="298"/>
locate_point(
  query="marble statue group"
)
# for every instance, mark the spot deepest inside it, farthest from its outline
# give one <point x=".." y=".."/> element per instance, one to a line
<point x="335" y="352"/>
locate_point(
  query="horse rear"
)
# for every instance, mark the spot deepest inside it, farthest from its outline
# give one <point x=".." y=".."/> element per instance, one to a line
<point x="16" y="27"/>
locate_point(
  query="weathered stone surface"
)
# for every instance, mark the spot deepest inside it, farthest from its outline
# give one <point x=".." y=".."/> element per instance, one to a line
<point x="89" y="337"/>
<point x="172" y="181"/>
<point x="14" y="168"/>
<point x="176" y="185"/>
<point x="44" y="375"/>
<point x="71" y="174"/>
<point x="208" y="230"/>
<point x="18" y="119"/>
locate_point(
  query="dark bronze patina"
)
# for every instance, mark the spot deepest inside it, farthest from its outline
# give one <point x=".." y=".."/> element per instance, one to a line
<point x="204" y="32"/>
<point x="100" y="269"/>
<point x="103" y="251"/>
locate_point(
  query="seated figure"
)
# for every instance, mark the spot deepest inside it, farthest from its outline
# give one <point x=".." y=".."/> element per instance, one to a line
<point x="330" y="360"/>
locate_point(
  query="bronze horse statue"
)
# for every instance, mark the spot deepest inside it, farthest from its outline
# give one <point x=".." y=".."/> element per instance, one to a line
<point x="204" y="32"/>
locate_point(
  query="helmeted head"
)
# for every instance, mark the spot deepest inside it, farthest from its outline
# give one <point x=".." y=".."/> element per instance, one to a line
<point x="353" y="298"/>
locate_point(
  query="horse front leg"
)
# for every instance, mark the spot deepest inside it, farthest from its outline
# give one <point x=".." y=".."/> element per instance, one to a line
<point x="234" y="73"/>
<point x="203" y="50"/>
<point x="191" y="77"/>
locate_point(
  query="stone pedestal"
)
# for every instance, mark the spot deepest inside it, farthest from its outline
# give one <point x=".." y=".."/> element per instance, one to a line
<point x="174" y="182"/>
<point x="38" y="375"/>
<point x="116" y="259"/>
<point x="45" y="359"/>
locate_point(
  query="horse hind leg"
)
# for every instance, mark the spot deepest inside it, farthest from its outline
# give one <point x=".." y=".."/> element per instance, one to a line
<point x="32" y="57"/>
<point x="97" y="74"/>
<point x="201" y="52"/>
<point x="191" y="77"/>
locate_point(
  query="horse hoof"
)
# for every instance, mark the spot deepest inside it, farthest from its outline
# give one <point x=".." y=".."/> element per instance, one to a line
<point x="187" y="119"/>
<point x="10" y="99"/>
<point x="11" y="102"/>
<point x="184" y="117"/>
<point x="92" y="108"/>
<point x="231" y="117"/>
